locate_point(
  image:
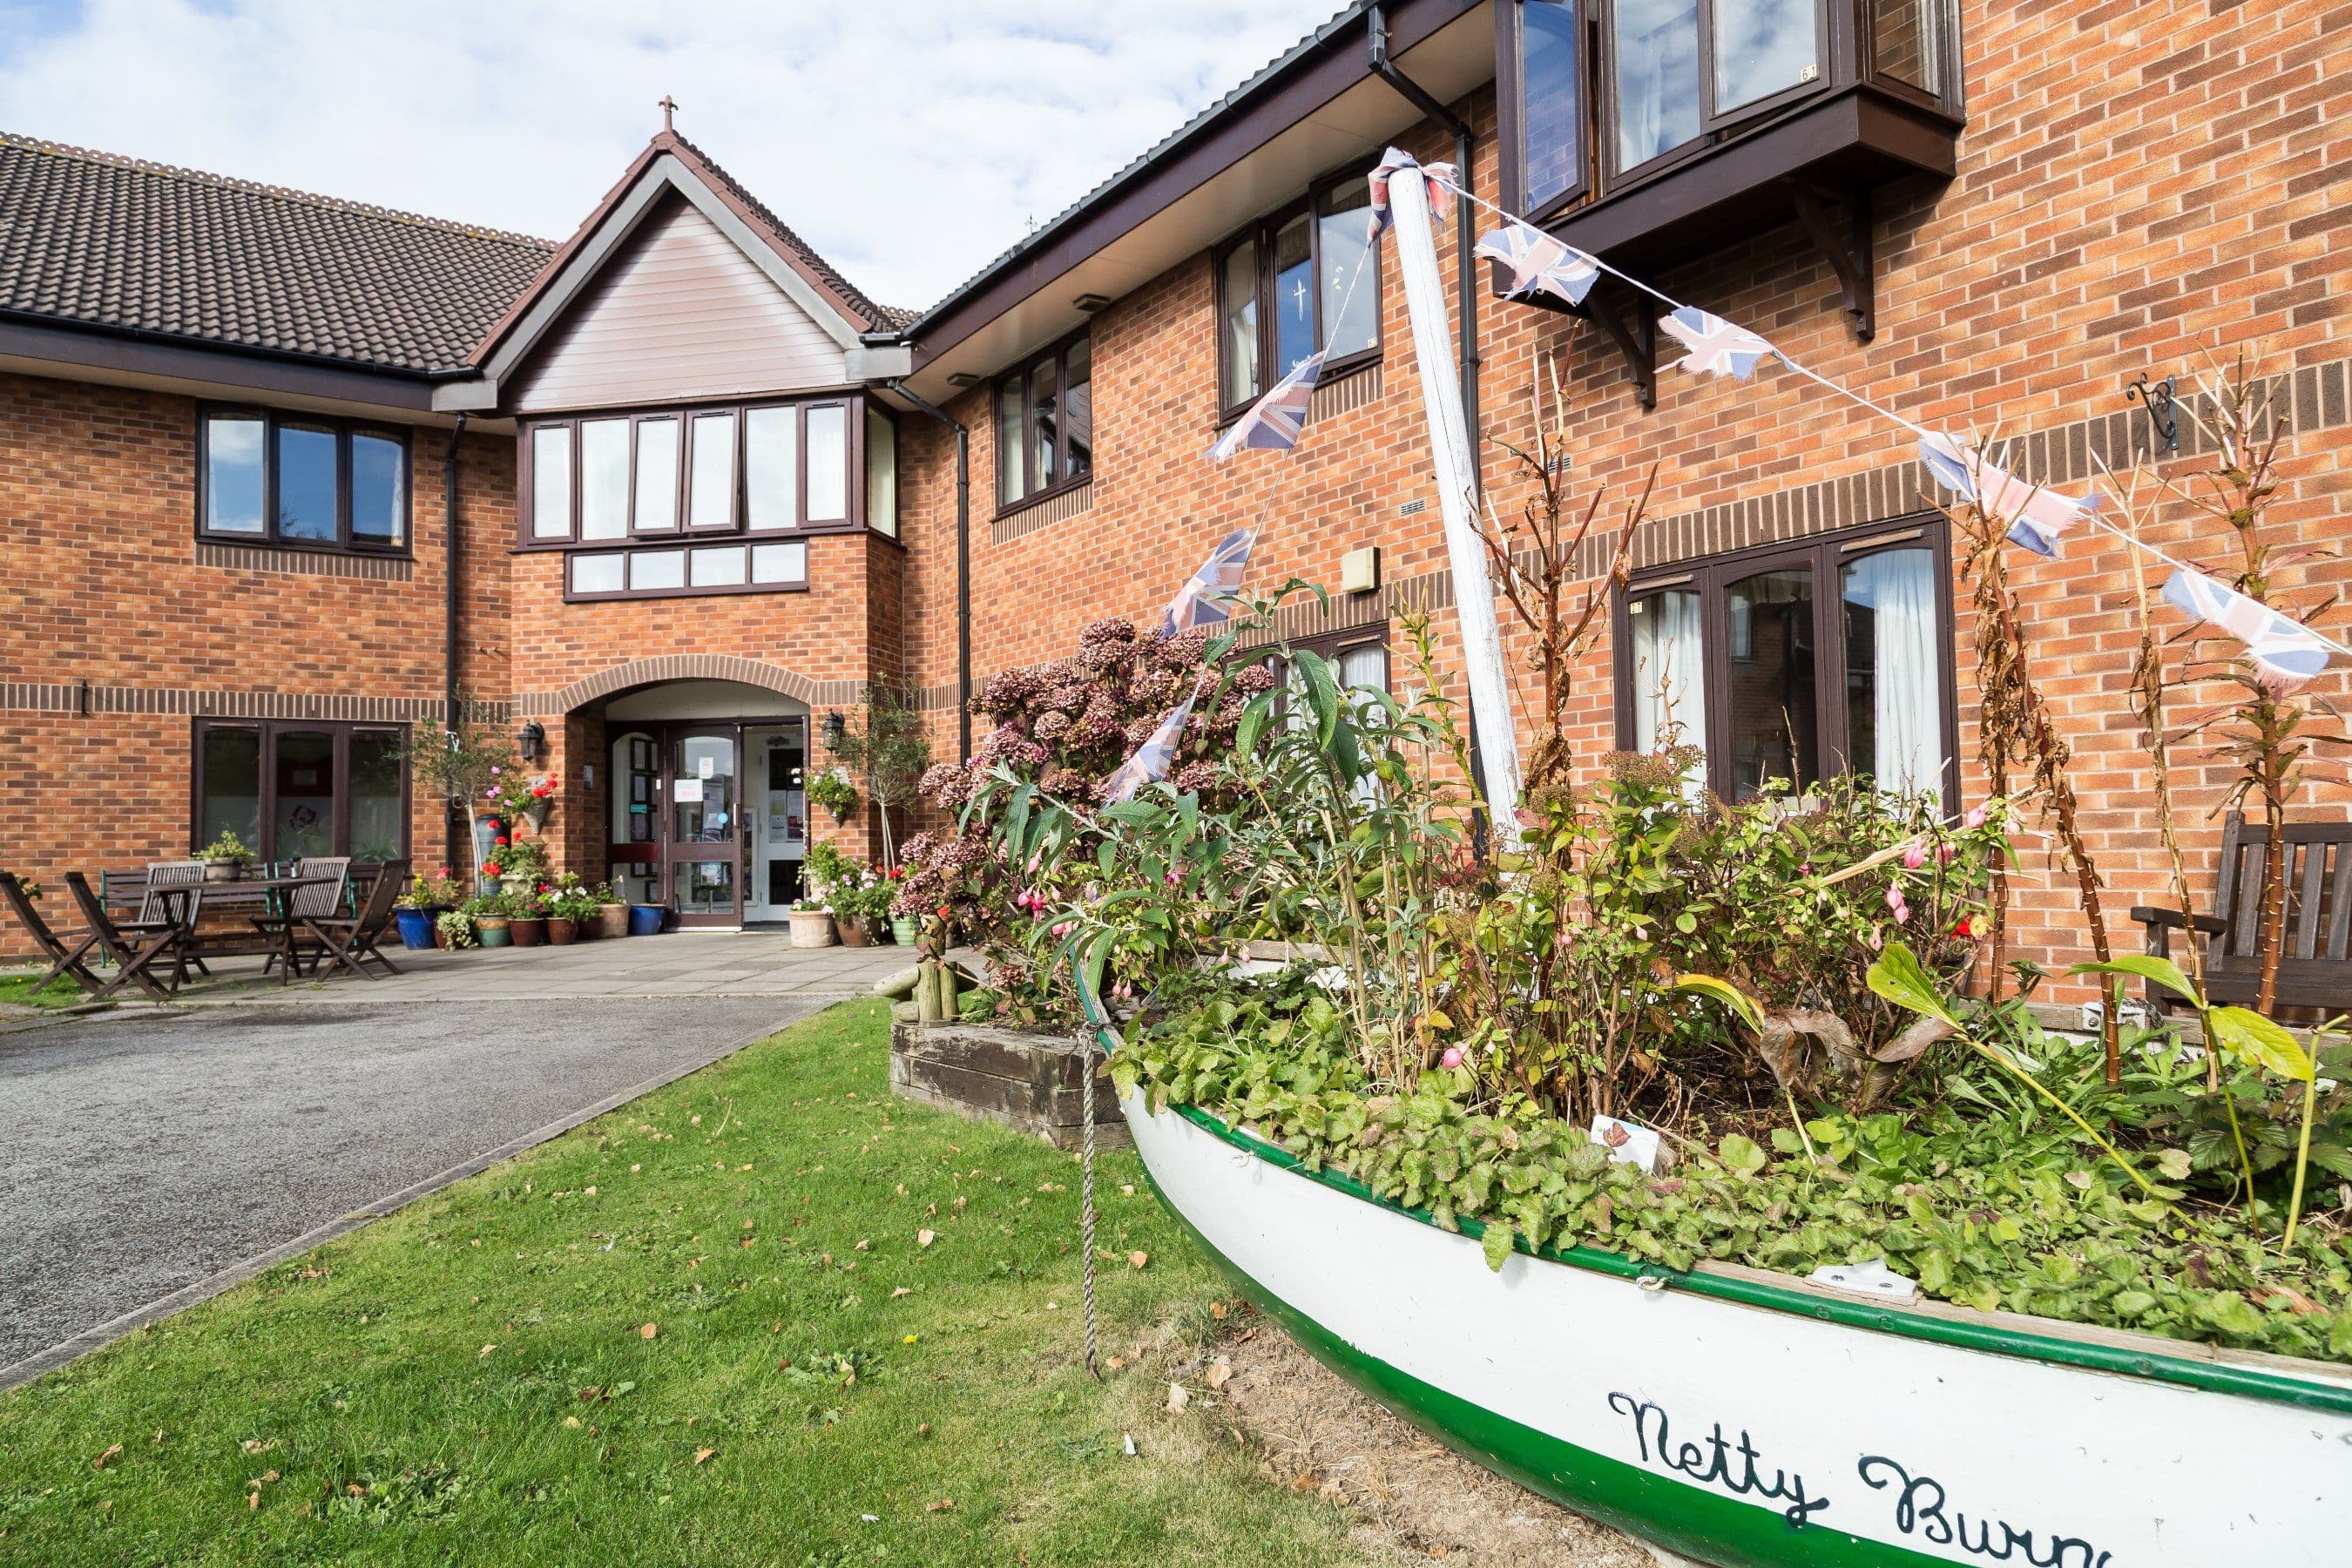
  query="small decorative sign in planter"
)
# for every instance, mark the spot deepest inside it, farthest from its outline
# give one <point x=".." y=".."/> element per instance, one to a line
<point x="1025" y="1080"/>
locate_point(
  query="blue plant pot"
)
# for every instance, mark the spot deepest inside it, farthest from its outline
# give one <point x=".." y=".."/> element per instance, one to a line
<point x="416" y="928"/>
<point x="645" y="919"/>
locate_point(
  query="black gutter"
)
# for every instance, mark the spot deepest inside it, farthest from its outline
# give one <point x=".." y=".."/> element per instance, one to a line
<point x="963" y="561"/>
<point x="1376" y="36"/>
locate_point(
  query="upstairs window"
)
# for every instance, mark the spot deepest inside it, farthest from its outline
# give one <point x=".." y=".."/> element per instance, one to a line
<point x="291" y="480"/>
<point x="1795" y="662"/>
<point x="765" y="469"/>
<point x="1046" y="423"/>
<point x="1598" y="94"/>
<point x="1301" y="280"/>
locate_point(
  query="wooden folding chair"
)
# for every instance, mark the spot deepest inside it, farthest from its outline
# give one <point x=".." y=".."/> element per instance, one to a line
<point x="154" y="906"/>
<point x="323" y="899"/>
<point x="349" y="941"/>
<point x="63" y="960"/>
<point x="133" y="946"/>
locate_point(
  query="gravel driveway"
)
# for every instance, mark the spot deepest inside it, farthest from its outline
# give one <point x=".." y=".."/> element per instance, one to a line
<point x="142" y="1152"/>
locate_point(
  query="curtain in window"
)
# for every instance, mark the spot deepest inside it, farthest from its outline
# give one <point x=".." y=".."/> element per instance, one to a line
<point x="1894" y="676"/>
<point x="1667" y="665"/>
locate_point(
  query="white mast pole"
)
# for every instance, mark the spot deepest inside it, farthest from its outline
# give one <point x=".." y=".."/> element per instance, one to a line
<point x="1457" y="496"/>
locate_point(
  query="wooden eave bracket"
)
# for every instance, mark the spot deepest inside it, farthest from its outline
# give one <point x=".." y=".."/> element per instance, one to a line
<point x="1633" y="326"/>
<point x="1847" y="248"/>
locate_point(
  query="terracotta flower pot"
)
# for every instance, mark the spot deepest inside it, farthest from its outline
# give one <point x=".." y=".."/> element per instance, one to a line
<point x="561" y="932"/>
<point x="853" y="933"/>
<point x="527" y="930"/>
<point x="612" y="920"/>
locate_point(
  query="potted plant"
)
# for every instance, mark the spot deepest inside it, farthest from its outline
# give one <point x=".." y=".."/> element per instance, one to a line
<point x="905" y="927"/>
<point x="887" y="750"/>
<point x="489" y="912"/>
<point x="522" y="862"/>
<point x="225" y="857"/>
<point x="417" y="908"/>
<point x="611" y="911"/>
<point x="526" y="917"/>
<point x="812" y="923"/>
<point x="454" y="930"/>
<point x="845" y="897"/>
<point x="570" y="909"/>
<point x="832" y="790"/>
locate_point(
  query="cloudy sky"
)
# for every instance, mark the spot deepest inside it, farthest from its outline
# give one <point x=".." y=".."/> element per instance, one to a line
<point x="907" y="139"/>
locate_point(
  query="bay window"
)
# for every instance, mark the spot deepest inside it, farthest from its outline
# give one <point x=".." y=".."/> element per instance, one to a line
<point x="296" y="787"/>
<point x="1045" y="423"/>
<point x="690" y="475"/>
<point x="266" y="478"/>
<point x="1300" y="281"/>
<point x="1797" y="662"/>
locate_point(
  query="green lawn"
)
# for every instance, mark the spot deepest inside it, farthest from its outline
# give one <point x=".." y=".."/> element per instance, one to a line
<point x="473" y="1379"/>
<point x="58" y="992"/>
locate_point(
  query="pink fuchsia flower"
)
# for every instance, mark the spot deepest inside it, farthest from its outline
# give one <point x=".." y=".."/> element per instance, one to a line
<point x="1894" y="901"/>
<point x="1875" y="943"/>
<point x="1452" y="1058"/>
<point x="496" y="769"/>
<point x="1915" y="855"/>
<point x="1974" y="818"/>
<point x="1945" y="853"/>
<point x="1061" y="928"/>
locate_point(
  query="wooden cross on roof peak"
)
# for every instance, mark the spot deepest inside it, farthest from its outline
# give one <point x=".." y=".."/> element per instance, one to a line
<point x="668" y="107"/>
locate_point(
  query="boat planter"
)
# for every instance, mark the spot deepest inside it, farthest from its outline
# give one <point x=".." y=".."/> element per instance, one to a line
<point x="612" y="920"/>
<point x="491" y="931"/>
<point x="416" y="925"/>
<point x="645" y="919"/>
<point x="561" y="932"/>
<point x="1756" y="1420"/>
<point x="811" y="928"/>
<point x="527" y="930"/>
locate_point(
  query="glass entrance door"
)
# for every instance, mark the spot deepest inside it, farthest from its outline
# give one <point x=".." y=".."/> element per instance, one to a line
<point x="701" y="836"/>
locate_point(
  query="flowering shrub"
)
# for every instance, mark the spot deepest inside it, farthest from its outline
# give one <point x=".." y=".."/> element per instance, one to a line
<point x="1066" y="726"/>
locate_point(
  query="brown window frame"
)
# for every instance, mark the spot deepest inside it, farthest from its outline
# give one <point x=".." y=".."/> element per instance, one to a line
<point x="710" y="539"/>
<point x="1825" y="555"/>
<point x="268" y="730"/>
<point x="852" y="405"/>
<point x="1845" y="42"/>
<point x="1019" y="374"/>
<point x="1259" y="234"/>
<point x="344" y="543"/>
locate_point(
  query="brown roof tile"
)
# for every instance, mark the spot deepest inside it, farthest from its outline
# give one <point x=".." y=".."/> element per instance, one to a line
<point x="120" y="242"/>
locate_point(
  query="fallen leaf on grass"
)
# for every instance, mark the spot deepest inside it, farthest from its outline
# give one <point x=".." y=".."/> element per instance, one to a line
<point x="863" y="1245"/>
<point x="924" y="1430"/>
<point x="107" y="1459"/>
<point x="649" y="1330"/>
<point x="945" y="1505"/>
<point x="901" y="1290"/>
<point x="258" y="1445"/>
<point x="571" y="1421"/>
<point x="702" y="1454"/>
<point x="1176" y="1399"/>
<point x="1217" y="1310"/>
<point x="1115" y="1362"/>
<point x="485" y="1351"/>
<point x="1138" y="1259"/>
<point x="1219" y="1376"/>
<point x="925" y="1238"/>
<point x="588" y="1192"/>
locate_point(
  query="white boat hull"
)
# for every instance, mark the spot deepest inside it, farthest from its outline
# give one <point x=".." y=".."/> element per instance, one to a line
<point x="1811" y="1430"/>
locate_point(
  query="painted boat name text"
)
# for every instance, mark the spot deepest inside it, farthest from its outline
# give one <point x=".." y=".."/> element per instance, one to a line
<point x="1712" y="1464"/>
<point x="1920" y="1509"/>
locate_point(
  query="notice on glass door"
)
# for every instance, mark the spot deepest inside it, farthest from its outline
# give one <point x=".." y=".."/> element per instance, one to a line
<point x="687" y="792"/>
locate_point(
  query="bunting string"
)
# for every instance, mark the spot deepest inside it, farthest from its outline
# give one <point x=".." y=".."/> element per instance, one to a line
<point x="2282" y="647"/>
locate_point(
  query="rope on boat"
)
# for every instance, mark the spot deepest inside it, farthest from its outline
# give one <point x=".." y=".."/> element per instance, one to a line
<point x="1086" y="1181"/>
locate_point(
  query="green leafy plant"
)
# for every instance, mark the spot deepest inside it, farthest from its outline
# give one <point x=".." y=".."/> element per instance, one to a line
<point x="439" y="892"/>
<point x="888" y="748"/>
<point x="225" y="846"/>
<point x="456" y="928"/>
<point x="465" y="762"/>
<point x="831" y="789"/>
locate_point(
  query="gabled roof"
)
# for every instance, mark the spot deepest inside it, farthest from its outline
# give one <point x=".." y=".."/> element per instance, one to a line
<point x="672" y="161"/>
<point x="91" y="239"/>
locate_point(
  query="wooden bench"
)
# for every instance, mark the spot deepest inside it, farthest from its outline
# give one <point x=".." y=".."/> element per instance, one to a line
<point x="2315" y="965"/>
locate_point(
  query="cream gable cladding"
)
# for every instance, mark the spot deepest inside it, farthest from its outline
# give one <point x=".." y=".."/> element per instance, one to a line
<point x="680" y="313"/>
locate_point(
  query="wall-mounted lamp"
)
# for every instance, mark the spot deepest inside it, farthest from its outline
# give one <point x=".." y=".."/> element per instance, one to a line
<point x="836" y="729"/>
<point x="2163" y="413"/>
<point x="530" y="740"/>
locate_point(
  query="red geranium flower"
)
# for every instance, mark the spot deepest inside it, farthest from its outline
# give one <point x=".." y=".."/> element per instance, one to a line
<point x="1964" y="929"/>
<point x="490" y="868"/>
<point x="946" y="913"/>
<point x="501" y="838"/>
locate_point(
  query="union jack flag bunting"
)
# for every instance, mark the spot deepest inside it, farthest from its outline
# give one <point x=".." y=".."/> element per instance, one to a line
<point x="2037" y="518"/>
<point x="1275" y="420"/>
<point x="2285" y="653"/>
<point x="1441" y="188"/>
<point x="1716" y="346"/>
<point x="1203" y="598"/>
<point x="1539" y="264"/>
<point x="1151" y="759"/>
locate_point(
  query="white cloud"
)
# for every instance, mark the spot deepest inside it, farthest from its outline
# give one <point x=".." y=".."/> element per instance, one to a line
<point x="910" y="140"/>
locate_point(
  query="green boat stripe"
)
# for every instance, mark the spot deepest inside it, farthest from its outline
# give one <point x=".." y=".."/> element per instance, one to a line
<point x="1703" y="1525"/>
<point x="2215" y="1377"/>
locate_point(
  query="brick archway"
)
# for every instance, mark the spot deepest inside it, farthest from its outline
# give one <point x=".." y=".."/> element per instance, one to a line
<point x="685" y="667"/>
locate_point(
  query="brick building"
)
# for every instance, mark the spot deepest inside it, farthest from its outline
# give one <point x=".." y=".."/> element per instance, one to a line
<point x="702" y="495"/>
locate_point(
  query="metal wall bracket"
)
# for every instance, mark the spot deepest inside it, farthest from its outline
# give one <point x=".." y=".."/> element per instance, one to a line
<point x="1626" y="318"/>
<point x="2163" y="411"/>
<point x="1849" y="251"/>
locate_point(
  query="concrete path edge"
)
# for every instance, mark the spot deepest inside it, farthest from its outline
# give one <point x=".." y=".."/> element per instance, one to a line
<point x="41" y="1362"/>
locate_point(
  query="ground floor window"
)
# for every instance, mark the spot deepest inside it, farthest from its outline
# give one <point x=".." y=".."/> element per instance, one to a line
<point x="295" y="788"/>
<point x="1795" y="662"/>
